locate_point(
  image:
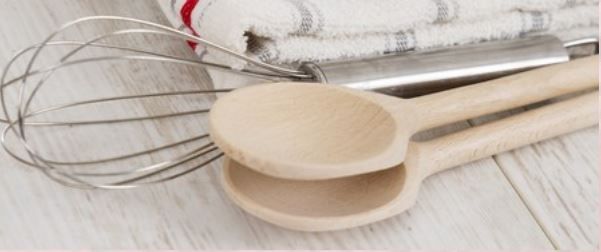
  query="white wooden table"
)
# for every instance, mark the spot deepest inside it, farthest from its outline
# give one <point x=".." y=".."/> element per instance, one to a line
<point x="543" y="196"/>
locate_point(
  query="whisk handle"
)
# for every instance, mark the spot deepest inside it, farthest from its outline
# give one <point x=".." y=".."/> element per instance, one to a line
<point x="411" y="74"/>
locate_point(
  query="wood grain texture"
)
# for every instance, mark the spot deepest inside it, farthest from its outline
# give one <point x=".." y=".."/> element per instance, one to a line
<point x="498" y="136"/>
<point x="476" y="204"/>
<point x="559" y="182"/>
<point x="510" y="91"/>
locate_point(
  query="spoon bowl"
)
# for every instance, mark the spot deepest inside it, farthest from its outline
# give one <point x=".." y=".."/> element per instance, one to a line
<point x="339" y="127"/>
<point x="314" y="205"/>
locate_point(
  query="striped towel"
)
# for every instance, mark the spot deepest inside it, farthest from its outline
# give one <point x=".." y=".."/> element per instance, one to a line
<point x="289" y="31"/>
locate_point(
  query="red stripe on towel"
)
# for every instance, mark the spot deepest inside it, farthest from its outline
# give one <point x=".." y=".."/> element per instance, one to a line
<point x="186" y="13"/>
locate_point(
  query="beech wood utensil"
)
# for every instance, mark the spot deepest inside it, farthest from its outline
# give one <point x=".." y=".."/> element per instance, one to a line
<point x="308" y="131"/>
<point x="340" y="203"/>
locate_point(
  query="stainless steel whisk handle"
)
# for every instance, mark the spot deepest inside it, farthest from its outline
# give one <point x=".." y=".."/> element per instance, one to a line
<point x="417" y="73"/>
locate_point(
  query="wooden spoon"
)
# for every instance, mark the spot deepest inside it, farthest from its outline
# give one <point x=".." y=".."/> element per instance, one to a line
<point x="358" y="200"/>
<point x="308" y="131"/>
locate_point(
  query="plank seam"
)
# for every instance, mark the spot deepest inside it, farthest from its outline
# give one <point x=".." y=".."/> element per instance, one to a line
<point x="522" y="199"/>
<point x="536" y="219"/>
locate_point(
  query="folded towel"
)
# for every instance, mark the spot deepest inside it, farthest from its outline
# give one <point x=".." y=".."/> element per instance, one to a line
<point x="288" y="31"/>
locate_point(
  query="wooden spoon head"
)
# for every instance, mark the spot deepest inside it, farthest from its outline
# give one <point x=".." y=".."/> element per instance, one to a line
<point x="322" y="205"/>
<point x="311" y="131"/>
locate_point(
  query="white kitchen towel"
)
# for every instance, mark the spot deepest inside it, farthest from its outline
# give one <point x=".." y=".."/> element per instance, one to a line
<point x="289" y="31"/>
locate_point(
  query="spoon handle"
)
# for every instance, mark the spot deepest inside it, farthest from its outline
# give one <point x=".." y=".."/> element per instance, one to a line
<point x="509" y="133"/>
<point x="508" y="92"/>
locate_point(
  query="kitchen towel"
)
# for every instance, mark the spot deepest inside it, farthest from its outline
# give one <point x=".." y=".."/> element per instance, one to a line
<point x="290" y="31"/>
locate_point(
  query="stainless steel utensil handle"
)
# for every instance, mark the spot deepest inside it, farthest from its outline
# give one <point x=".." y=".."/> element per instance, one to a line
<point x="412" y="74"/>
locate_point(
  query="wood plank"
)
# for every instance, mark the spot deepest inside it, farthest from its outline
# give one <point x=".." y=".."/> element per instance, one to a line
<point x="558" y="180"/>
<point x="469" y="207"/>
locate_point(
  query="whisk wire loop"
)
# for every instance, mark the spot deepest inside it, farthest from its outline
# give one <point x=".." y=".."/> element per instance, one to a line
<point x="79" y="173"/>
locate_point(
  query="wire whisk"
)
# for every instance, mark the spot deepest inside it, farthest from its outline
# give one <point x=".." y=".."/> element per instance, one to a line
<point x="19" y="117"/>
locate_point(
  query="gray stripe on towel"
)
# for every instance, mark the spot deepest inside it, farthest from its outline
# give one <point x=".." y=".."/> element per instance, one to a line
<point x="442" y="10"/>
<point x="535" y="21"/>
<point x="320" y="17"/>
<point x="268" y="54"/>
<point x="402" y="43"/>
<point x="306" y="17"/>
<point x="538" y="21"/>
